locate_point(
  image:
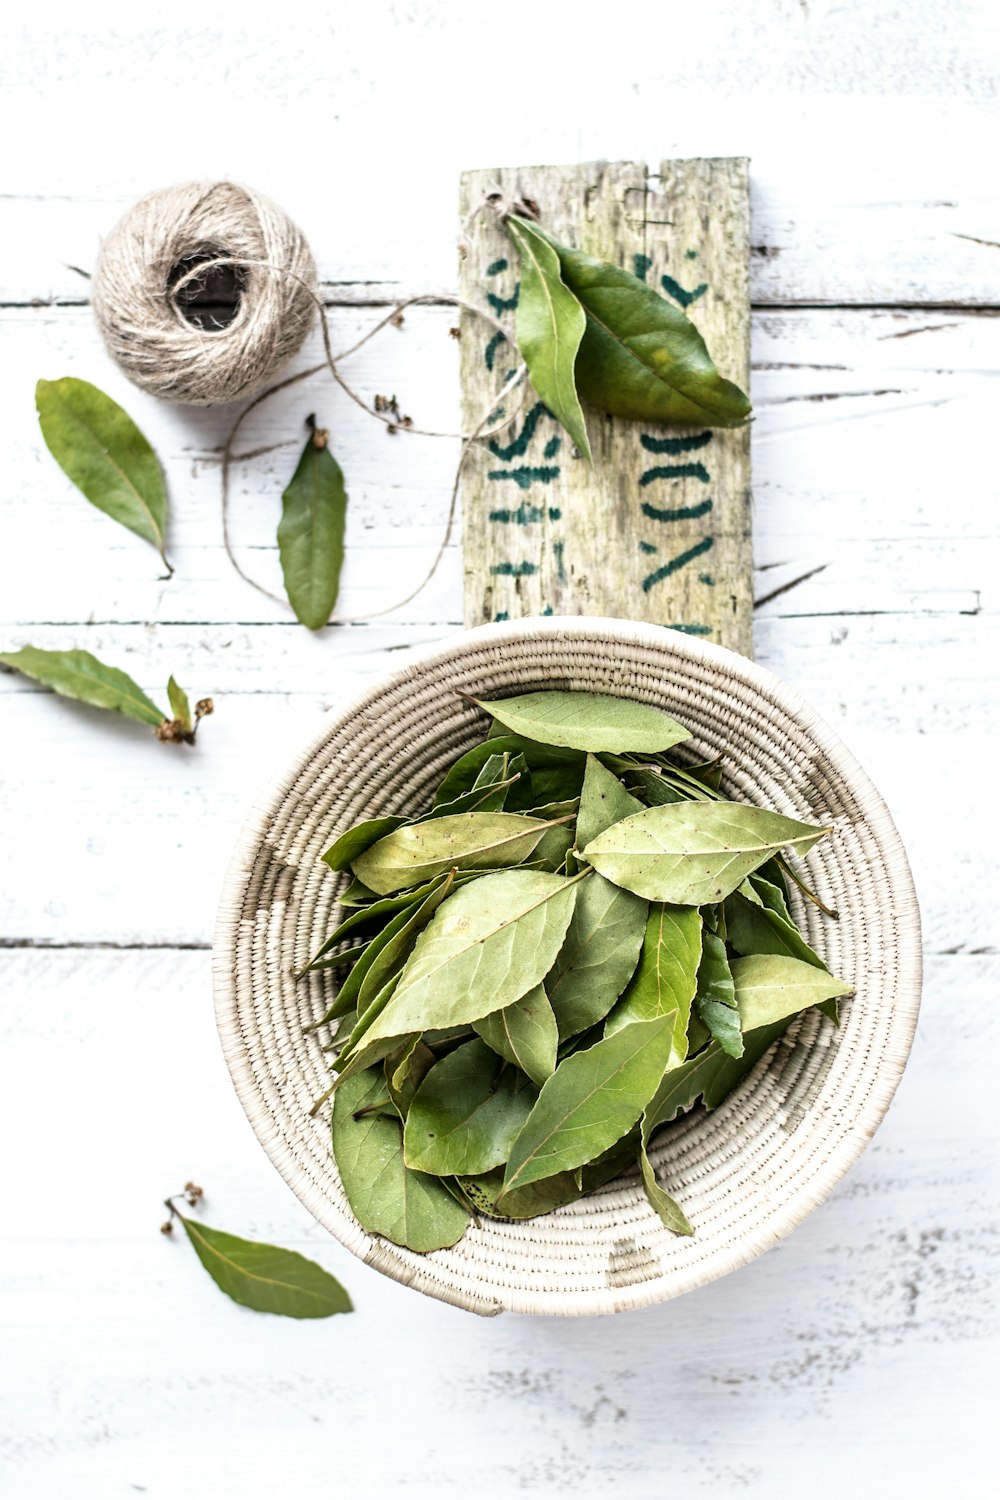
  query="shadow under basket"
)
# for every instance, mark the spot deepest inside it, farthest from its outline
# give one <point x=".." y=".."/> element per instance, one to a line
<point x="745" y="1173"/>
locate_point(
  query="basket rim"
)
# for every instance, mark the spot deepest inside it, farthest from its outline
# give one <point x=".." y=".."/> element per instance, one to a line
<point x="617" y="633"/>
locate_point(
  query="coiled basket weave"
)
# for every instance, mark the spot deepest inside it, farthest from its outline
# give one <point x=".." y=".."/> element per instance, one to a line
<point x="746" y="1173"/>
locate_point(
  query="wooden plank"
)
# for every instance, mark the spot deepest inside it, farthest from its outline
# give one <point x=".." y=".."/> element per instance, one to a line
<point x="660" y="529"/>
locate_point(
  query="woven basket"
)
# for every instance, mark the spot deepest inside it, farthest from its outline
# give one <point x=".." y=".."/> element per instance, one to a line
<point x="746" y="1173"/>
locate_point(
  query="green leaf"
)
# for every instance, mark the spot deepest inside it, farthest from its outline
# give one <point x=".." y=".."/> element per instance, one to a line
<point x="664" y="982"/>
<point x="751" y="928"/>
<point x="468" y="841"/>
<point x="179" y="705"/>
<point x="500" y="776"/>
<point x="640" y="357"/>
<point x="771" y="988"/>
<point x="405" y="1070"/>
<point x="592" y="1099"/>
<point x="543" y="1196"/>
<point x="265" y="1277"/>
<point x="311" y="533"/>
<point x="487" y="945"/>
<point x="351" y="844"/>
<point x="711" y="1077"/>
<point x="716" y="997"/>
<point x="693" y="853"/>
<point x="670" y="1212"/>
<point x="655" y="789"/>
<point x="386" y="1197"/>
<point x="463" y="774"/>
<point x="598" y="957"/>
<point x="552" y="849"/>
<point x="603" y="802"/>
<point x="374" y="993"/>
<point x="466" y="1113"/>
<point x="550" y="325"/>
<point x="98" y="445"/>
<point x="77" y="674"/>
<point x="374" y="916"/>
<point x="586" y="721"/>
<point x="347" y="996"/>
<point x="524" y="1033"/>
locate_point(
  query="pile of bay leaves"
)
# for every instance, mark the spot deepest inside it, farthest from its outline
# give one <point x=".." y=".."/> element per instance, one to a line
<point x="580" y="940"/>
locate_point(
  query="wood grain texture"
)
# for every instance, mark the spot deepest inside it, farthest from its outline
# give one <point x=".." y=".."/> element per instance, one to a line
<point x="860" y="1355"/>
<point x="659" y="529"/>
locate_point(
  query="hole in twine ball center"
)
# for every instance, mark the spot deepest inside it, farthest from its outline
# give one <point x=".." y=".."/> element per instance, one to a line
<point x="210" y="301"/>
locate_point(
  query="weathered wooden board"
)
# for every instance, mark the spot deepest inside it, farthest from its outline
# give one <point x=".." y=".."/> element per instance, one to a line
<point x="659" y="530"/>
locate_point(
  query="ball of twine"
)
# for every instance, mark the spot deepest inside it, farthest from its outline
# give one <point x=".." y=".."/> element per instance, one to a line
<point x="166" y="260"/>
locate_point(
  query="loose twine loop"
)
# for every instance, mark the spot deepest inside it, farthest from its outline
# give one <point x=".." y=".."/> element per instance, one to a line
<point x="167" y="246"/>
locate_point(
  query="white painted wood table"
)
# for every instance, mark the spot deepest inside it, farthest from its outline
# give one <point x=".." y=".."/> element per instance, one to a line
<point x="859" y="1356"/>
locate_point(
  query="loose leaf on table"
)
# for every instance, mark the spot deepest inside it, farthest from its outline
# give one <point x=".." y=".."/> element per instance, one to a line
<point x="603" y="802"/>
<point x="386" y="1197"/>
<point x="77" y="674"/>
<point x="524" y="1033"/>
<point x="550" y="325"/>
<point x="179" y="705"/>
<point x="715" y="1000"/>
<point x="466" y="1113"/>
<point x="353" y="842"/>
<point x="640" y="356"/>
<point x="98" y="445"/>
<point x="591" y="1101"/>
<point x="311" y="532"/>
<point x="770" y="988"/>
<point x="265" y="1277"/>
<point x="487" y="945"/>
<point x="467" y="841"/>
<point x="665" y="980"/>
<point x="693" y="853"/>
<point x="599" y="956"/>
<point x="586" y="721"/>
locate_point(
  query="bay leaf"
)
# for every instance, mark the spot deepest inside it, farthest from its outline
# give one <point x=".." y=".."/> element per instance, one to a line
<point x="754" y="928"/>
<point x="487" y="945"/>
<point x="311" y="532"/>
<point x="405" y="1070"/>
<point x="640" y="356"/>
<point x="586" y="721"/>
<point x="693" y="853"/>
<point x="466" y="1113"/>
<point x="670" y="1212"/>
<point x="708" y="772"/>
<point x="97" y="444"/>
<point x="771" y="988"/>
<point x="468" y="841"/>
<point x="372" y="916"/>
<point x="715" y="1000"/>
<point x="655" y="789"/>
<point x="524" y="1033"/>
<point x="603" y="802"/>
<point x="180" y="707"/>
<point x="552" y="848"/>
<point x="548" y="1193"/>
<point x="490" y="790"/>
<point x="550" y="325"/>
<point x="461" y="776"/>
<point x="77" y="674"/>
<point x="599" y="956"/>
<point x="710" y="1076"/>
<point x="386" y="1197"/>
<point x="591" y="1101"/>
<point x="347" y="995"/>
<point x="265" y="1277"/>
<point x="375" y="991"/>
<point x="354" y="841"/>
<point x="664" y="982"/>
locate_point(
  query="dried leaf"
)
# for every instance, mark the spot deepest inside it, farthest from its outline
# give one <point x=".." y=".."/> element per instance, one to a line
<point x="603" y="802"/>
<point x="716" y="997"/>
<point x="77" y="674"/>
<point x="524" y="1033"/>
<point x="466" y="841"/>
<point x="550" y="325"/>
<point x="599" y="956"/>
<point x="770" y="988"/>
<point x="586" y="721"/>
<point x="99" y="446"/>
<point x="466" y="1113"/>
<point x="693" y="853"/>
<point x="386" y="1197"/>
<point x="311" y="533"/>
<point x="664" y="982"/>
<point x="179" y="705"/>
<point x="351" y="844"/>
<point x="265" y="1277"/>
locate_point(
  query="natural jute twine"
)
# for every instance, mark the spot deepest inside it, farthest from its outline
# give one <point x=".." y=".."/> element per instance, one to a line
<point x="747" y="1173"/>
<point x="153" y="252"/>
